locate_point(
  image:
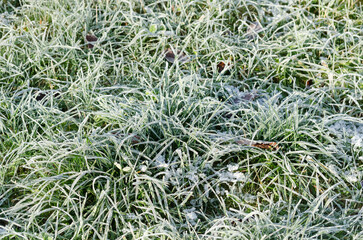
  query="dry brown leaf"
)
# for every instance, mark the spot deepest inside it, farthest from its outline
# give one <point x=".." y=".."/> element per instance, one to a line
<point x="222" y="65"/>
<point x="91" y="39"/>
<point x="170" y="56"/>
<point x="309" y="83"/>
<point x="259" y="144"/>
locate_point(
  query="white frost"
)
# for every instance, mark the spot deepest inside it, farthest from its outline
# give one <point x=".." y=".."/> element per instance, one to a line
<point x="191" y="215"/>
<point x="143" y="168"/>
<point x="160" y="161"/>
<point x="350" y="131"/>
<point x="232" y="167"/>
<point x="351" y="178"/>
<point x="232" y="177"/>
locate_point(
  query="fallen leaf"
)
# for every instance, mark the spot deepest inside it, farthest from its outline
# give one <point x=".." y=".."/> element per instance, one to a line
<point x="309" y="83"/>
<point x="259" y="144"/>
<point x="91" y="39"/>
<point x="222" y="65"/>
<point x="170" y="56"/>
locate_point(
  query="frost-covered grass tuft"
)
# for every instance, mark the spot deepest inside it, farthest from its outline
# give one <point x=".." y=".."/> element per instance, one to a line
<point x="109" y="140"/>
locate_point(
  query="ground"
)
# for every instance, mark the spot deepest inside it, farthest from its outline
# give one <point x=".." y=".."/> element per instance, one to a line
<point x="181" y="119"/>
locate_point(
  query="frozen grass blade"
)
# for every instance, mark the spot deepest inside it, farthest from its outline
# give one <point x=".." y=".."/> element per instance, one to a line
<point x="101" y="137"/>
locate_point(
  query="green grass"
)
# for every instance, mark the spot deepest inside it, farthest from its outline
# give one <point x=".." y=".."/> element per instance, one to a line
<point x="126" y="145"/>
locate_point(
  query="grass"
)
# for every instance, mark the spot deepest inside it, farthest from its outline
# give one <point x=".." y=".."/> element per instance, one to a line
<point x="115" y="142"/>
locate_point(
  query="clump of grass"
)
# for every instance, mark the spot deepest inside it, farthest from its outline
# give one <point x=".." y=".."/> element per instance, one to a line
<point x="115" y="142"/>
